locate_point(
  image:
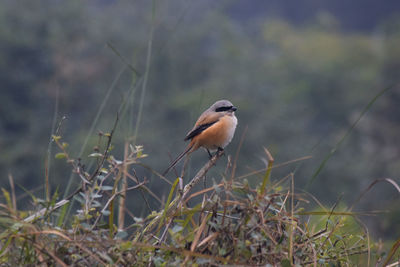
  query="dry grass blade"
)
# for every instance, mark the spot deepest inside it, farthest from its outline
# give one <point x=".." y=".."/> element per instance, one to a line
<point x="348" y="132"/>
<point x="203" y="191"/>
<point x="196" y="239"/>
<point x="167" y="203"/>
<point x="208" y="239"/>
<point x="12" y="187"/>
<point x="390" y="181"/>
<point x="43" y="211"/>
<point x="392" y="251"/>
<point x="276" y="166"/>
<point x="237" y="154"/>
<point x="124" y="186"/>
<point x="267" y="175"/>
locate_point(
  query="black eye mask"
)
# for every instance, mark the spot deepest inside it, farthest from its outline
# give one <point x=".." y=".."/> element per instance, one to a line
<point x="221" y="109"/>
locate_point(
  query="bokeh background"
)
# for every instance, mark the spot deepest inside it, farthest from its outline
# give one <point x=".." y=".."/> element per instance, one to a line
<point x="300" y="73"/>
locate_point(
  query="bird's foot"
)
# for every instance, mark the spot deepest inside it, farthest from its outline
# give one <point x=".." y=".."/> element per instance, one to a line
<point x="220" y="149"/>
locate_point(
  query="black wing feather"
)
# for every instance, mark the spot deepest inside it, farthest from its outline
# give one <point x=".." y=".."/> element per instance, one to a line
<point x="199" y="129"/>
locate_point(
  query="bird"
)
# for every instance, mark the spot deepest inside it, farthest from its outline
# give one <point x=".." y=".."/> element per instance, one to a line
<point x="213" y="130"/>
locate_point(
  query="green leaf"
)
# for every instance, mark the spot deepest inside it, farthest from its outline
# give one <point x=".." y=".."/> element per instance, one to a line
<point x="95" y="155"/>
<point x="126" y="245"/>
<point x="60" y="156"/>
<point x="79" y="199"/>
<point x="56" y="137"/>
<point x="104" y="170"/>
<point x="5" y="246"/>
<point x="285" y="263"/>
<point x="106" y="212"/>
<point x="6" y="195"/>
<point x="138" y="220"/>
<point x="176" y="228"/>
<point x="16" y="226"/>
<point x="106" y="188"/>
<point x="121" y="235"/>
<point x="167" y="203"/>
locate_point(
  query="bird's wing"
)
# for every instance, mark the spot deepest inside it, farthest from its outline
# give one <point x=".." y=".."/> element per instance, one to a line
<point x="205" y="121"/>
<point x="197" y="130"/>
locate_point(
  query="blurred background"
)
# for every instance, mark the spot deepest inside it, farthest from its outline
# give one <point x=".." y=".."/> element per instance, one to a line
<point x="300" y="73"/>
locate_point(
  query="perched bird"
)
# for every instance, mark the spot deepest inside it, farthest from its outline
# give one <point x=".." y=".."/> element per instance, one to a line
<point x="213" y="130"/>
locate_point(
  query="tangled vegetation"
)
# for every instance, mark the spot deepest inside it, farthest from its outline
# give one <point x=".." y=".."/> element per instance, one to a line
<point x="229" y="223"/>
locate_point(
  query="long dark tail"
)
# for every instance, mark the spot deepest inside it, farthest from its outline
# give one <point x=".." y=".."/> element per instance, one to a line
<point x="189" y="147"/>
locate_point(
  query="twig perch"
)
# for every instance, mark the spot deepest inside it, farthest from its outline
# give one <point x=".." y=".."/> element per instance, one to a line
<point x="180" y="198"/>
<point x="203" y="171"/>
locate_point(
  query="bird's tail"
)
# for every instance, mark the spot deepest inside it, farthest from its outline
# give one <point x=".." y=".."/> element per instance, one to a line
<point x="189" y="147"/>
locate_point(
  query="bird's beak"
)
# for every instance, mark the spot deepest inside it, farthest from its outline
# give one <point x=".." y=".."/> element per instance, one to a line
<point x="234" y="108"/>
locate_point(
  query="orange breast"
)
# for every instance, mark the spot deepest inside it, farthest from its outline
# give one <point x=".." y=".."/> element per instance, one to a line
<point x="218" y="135"/>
